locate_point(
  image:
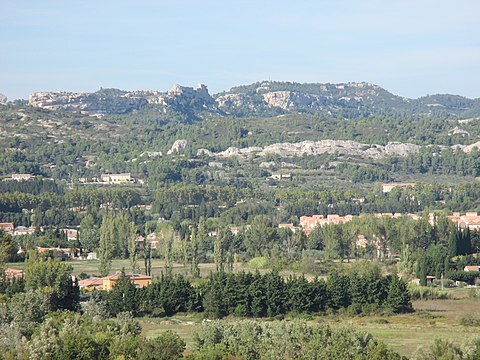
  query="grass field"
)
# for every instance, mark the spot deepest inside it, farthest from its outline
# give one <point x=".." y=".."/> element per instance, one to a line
<point x="90" y="267"/>
<point x="403" y="333"/>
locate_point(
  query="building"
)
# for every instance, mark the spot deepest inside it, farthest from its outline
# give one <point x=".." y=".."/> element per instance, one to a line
<point x="91" y="284"/>
<point x="386" y="188"/>
<point x="71" y="234"/>
<point x="137" y="279"/>
<point x="92" y="256"/>
<point x="123" y="178"/>
<point x="471" y="268"/>
<point x="7" y="227"/>
<point x="308" y="223"/>
<point x="14" y="273"/>
<point x="22" y="230"/>
<point x="470" y="220"/>
<point x="22" y="177"/>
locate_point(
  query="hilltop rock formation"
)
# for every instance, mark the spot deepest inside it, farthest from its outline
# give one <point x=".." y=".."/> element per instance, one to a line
<point x="3" y="99"/>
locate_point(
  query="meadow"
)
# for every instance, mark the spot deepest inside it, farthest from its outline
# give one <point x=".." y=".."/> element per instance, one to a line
<point x="403" y="333"/>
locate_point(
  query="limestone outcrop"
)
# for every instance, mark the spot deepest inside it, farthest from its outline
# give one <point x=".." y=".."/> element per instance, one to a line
<point x="309" y="148"/>
<point x="178" y="147"/>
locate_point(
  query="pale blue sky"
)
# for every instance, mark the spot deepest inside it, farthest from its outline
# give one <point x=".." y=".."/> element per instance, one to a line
<point x="410" y="47"/>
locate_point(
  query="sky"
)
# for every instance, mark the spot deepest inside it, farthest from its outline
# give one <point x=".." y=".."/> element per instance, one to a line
<point x="410" y="47"/>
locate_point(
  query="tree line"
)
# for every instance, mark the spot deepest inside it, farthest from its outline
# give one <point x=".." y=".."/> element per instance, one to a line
<point x="256" y="295"/>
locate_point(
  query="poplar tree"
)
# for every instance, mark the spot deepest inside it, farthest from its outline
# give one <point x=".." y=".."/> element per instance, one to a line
<point x="194" y="269"/>
<point x="132" y="246"/>
<point x="107" y="245"/>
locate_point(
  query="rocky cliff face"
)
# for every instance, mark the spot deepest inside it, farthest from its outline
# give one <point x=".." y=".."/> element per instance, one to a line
<point x="3" y="99"/>
<point x="100" y="102"/>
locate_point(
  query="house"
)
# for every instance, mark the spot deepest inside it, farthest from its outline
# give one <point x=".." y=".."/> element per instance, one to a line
<point x="123" y="178"/>
<point x="429" y="280"/>
<point x="386" y="188"/>
<point x="470" y="220"/>
<point x="14" y="273"/>
<point x="361" y="242"/>
<point x="92" y="256"/>
<point x="137" y="279"/>
<point x="71" y="234"/>
<point x="308" y="223"/>
<point x="91" y="284"/>
<point x="22" y="230"/>
<point x="471" y="268"/>
<point x="292" y="227"/>
<point x="22" y="177"/>
<point x="279" y="177"/>
<point x="65" y="253"/>
<point x="7" y="227"/>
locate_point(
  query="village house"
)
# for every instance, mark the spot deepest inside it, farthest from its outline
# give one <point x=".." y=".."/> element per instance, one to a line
<point x="91" y="284"/>
<point x="138" y="280"/>
<point x="386" y="188"/>
<point x="123" y="178"/>
<point x="64" y="253"/>
<point x="14" y="273"/>
<point x="91" y="256"/>
<point x="280" y="177"/>
<point x="21" y="177"/>
<point x="292" y="227"/>
<point x="308" y="223"/>
<point x="71" y="234"/>
<point x="7" y="227"/>
<point x="22" y="230"/>
<point x="471" y="268"/>
<point x="470" y="220"/>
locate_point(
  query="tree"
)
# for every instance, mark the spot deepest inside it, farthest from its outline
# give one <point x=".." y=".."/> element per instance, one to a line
<point x="398" y="298"/>
<point x="194" y="269"/>
<point x="132" y="246"/>
<point x="53" y="277"/>
<point x="107" y="245"/>
<point x="147" y="258"/>
<point x="7" y="248"/>
<point x="89" y="235"/>
<point x="218" y="256"/>
<point x="168" y="346"/>
<point x="166" y="234"/>
<point x="123" y="296"/>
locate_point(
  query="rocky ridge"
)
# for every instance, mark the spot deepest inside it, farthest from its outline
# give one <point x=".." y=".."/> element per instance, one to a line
<point x="3" y="99"/>
<point x="348" y="100"/>
<point x="113" y="101"/>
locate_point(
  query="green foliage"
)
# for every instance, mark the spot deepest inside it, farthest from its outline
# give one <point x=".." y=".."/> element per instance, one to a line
<point x="286" y="340"/>
<point x="54" y="278"/>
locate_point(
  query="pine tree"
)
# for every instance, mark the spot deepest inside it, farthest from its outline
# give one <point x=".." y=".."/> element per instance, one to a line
<point x="398" y="298"/>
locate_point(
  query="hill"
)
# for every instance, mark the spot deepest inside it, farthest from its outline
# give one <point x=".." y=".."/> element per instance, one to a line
<point x="264" y="99"/>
